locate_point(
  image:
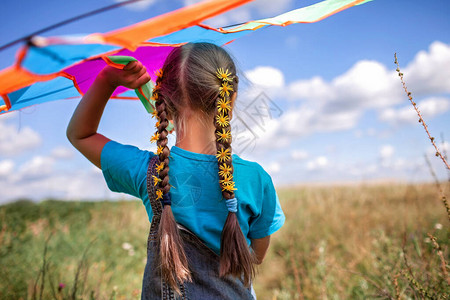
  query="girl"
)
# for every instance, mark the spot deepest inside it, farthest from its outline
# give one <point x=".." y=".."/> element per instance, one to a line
<point x="219" y="210"/>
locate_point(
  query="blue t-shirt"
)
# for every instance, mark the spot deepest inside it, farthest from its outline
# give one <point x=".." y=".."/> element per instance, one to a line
<point x="197" y="201"/>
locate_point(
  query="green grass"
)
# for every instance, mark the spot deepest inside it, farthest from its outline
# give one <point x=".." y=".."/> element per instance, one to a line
<point x="338" y="243"/>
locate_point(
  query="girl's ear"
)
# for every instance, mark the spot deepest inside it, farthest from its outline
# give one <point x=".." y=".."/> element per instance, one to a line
<point x="232" y="99"/>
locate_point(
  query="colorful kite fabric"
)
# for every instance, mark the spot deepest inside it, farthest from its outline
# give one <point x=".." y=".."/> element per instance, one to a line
<point x="53" y="68"/>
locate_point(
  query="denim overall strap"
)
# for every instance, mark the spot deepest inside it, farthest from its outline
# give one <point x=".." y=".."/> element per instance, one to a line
<point x="155" y="204"/>
<point x="153" y="286"/>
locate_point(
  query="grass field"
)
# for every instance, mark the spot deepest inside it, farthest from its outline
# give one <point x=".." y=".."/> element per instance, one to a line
<point x="346" y="242"/>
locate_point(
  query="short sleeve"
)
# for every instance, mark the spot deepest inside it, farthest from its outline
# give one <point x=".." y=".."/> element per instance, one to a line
<point x="271" y="217"/>
<point x="124" y="168"/>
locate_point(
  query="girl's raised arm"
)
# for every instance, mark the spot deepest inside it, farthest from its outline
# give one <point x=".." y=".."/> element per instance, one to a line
<point x="82" y="129"/>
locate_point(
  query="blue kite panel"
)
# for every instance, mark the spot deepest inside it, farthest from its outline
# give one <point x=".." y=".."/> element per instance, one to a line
<point x="40" y="92"/>
<point x="51" y="59"/>
<point x="199" y="34"/>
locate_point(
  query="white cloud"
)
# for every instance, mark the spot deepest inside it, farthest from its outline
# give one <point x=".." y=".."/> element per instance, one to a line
<point x="386" y="152"/>
<point x="434" y="106"/>
<point x="14" y="141"/>
<point x="368" y="84"/>
<point x="38" y="166"/>
<point x="62" y="152"/>
<point x="299" y="154"/>
<point x="429" y="72"/>
<point x="314" y="89"/>
<point x="273" y="168"/>
<point x="6" y="167"/>
<point x="429" y="108"/>
<point x="302" y="121"/>
<point x="326" y="106"/>
<point x="318" y="163"/>
<point x="87" y="185"/>
<point x="71" y="185"/>
<point x="266" y="76"/>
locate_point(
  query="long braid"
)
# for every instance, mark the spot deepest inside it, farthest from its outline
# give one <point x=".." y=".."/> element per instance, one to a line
<point x="235" y="256"/>
<point x="173" y="261"/>
<point x="192" y="83"/>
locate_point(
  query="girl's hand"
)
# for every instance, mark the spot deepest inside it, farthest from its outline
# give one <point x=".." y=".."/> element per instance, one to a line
<point x="132" y="76"/>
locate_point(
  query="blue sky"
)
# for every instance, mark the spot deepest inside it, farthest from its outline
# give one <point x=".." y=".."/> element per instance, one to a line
<point x="339" y="114"/>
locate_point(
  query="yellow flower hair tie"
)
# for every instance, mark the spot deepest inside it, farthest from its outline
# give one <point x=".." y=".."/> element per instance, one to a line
<point x="223" y="75"/>
<point x="155" y="137"/>
<point x="229" y="187"/>
<point x="227" y="180"/>
<point x="225" y="136"/>
<point x="159" y="167"/>
<point x="224" y="170"/>
<point x="222" y="120"/>
<point x="223" y="105"/>
<point x="223" y="155"/>
<point x="156" y="180"/>
<point x="225" y="89"/>
<point x="159" y="73"/>
<point x="159" y="194"/>
<point x="159" y="150"/>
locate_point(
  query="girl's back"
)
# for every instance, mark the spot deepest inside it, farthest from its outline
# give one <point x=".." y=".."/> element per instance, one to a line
<point x="197" y="202"/>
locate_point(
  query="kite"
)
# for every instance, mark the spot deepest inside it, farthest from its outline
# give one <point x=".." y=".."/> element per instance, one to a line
<point x="64" y="67"/>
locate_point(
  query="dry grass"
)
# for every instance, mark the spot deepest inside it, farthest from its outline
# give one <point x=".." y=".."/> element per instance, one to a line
<point x="337" y="243"/>
<point x="347" y="242"/>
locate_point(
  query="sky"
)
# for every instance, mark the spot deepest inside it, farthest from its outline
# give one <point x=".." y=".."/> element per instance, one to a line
<point x="319" y="103"/>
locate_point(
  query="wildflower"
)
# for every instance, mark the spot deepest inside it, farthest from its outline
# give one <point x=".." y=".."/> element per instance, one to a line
<point x="159" y="194"/>
<point x="229" y="187"/>
<point x="225" y="135"/>
<point x="223" y="120"/>
<point x="438" y="226"/>
<point x="155" y="137"/>
<point x="156" y="180"/>
<point x="159" y="167"/>
<point x="226" y="180"/>
<point x="157" y="124"/>
<point x="159" y="150"/>
<point x="223" y="155"/>
<point x="61" y="286"/>
<point x="225" y="89"/>
<point x="223" y="105"/>
<point x="223" y="75"/>
<point x="159" y="73"/>
<point x="154" y="95"/>
<point x="127" y="246"/>
<point x="155" y="114"/>
<point x="224" y="170"/>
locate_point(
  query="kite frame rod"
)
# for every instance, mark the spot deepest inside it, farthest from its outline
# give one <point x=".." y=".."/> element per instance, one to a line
<point x="82" y="16"/>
